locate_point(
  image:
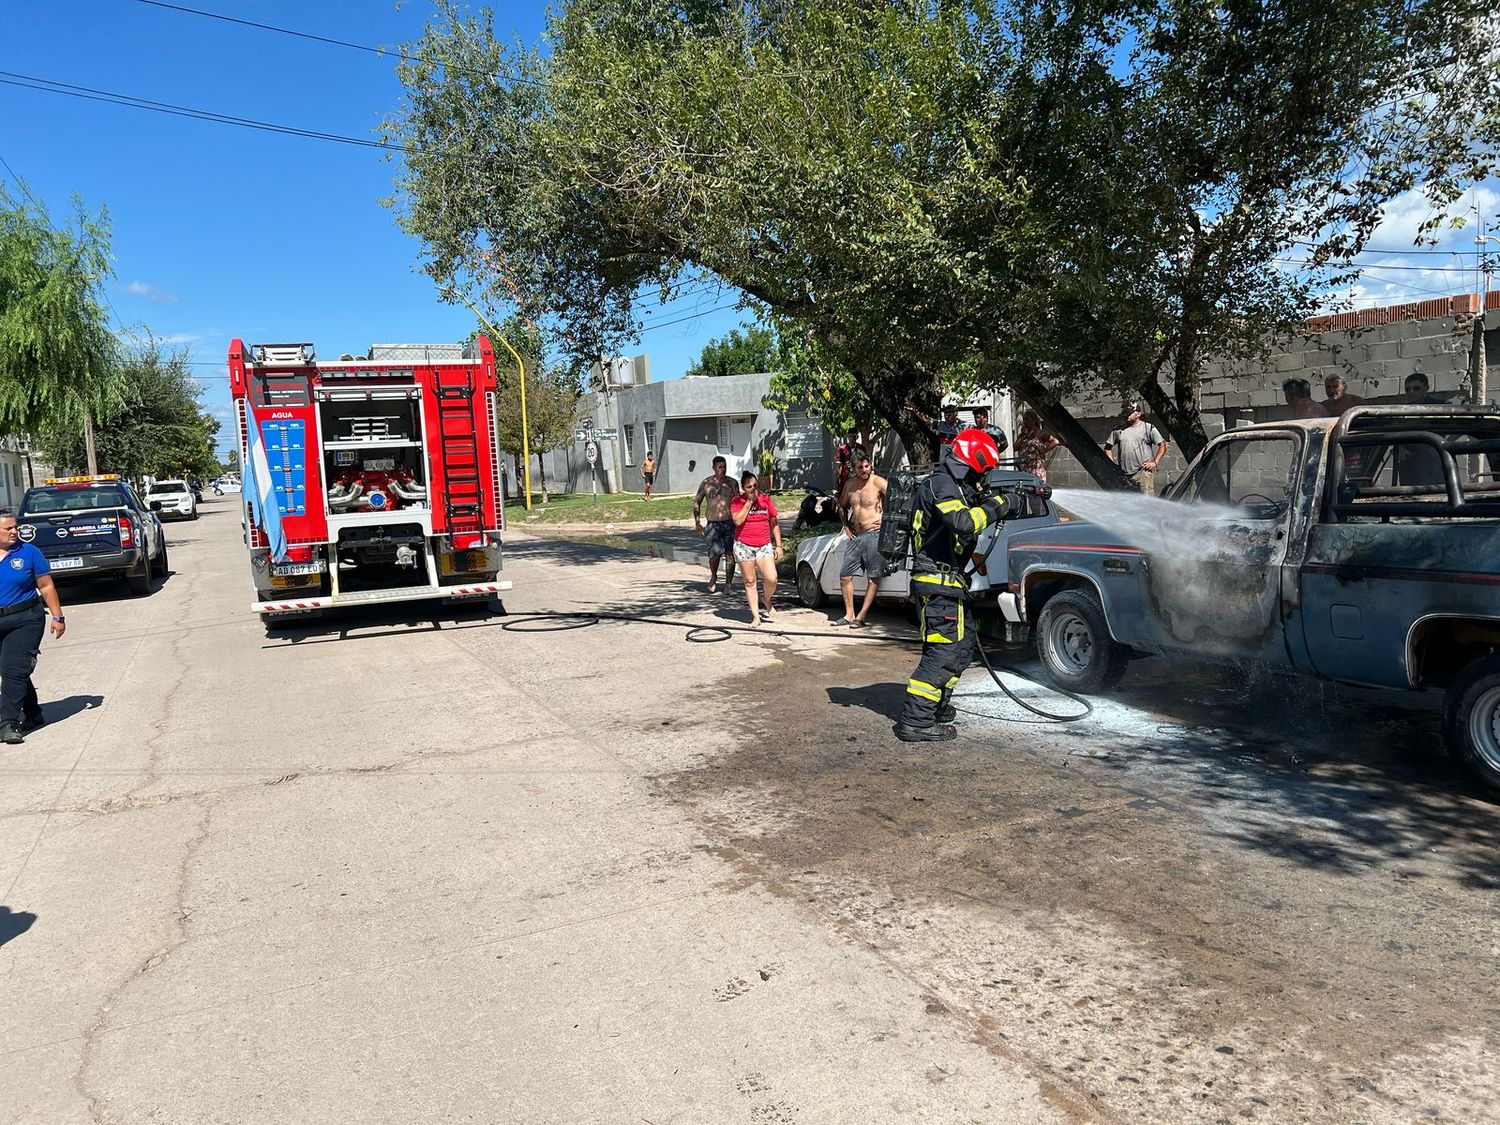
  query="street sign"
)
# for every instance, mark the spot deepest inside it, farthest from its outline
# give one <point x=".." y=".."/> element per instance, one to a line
<point x="591" y="451"/>
<point x="596" y="434"/>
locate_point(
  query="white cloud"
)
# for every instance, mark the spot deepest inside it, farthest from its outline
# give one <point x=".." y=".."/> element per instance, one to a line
<point x="152" y="293"/>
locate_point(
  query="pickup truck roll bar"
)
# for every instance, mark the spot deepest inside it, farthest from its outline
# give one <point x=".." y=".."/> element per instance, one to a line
<point x="1343" y="499"/>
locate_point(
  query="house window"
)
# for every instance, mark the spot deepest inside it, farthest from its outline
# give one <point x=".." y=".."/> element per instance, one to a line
<point x="651" y="439"/>
<point x="723" y="434"/>
<point x="629" y="441"/>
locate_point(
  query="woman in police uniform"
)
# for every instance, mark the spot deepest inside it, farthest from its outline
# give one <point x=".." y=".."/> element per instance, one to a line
<point x="25" y="584"/>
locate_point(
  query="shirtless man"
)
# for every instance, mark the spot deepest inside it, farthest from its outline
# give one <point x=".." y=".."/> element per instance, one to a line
<point x="648" y="472"/>
<point x="862" y="504"/>
<point x="715" y="493"/>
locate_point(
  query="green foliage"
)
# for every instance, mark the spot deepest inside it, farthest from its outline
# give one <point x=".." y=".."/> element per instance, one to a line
<point x="155" y="426"/>
<point x="739" y="353"/>
<point x="1050" y="199"/>
<point x="58" y="360"/>
<point x="806" y="378"/>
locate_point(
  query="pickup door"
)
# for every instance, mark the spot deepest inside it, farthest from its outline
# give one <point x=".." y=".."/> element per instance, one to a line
<point x="1218" y="582"/>
<point x="1372" y="582"/>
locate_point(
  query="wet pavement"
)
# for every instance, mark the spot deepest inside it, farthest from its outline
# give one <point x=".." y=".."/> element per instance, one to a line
<point x="1221" y="896"/>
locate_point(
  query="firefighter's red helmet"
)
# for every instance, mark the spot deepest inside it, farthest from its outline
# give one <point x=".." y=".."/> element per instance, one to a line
<point x="976" y="449"/>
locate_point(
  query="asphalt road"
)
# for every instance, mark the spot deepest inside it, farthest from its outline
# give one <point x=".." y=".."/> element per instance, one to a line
<point x="410" y="866"/>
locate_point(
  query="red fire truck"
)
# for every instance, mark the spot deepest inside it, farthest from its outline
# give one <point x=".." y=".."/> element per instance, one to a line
<point x="385" y="473"/>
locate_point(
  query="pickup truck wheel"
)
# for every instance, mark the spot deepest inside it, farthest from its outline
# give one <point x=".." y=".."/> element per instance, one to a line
<point x="139" y="583"/>
<point x="162" y="564"/>
<point x="808" y="591"/>
<point x="1471" y="721"/>
<point x="1072" y="638"/>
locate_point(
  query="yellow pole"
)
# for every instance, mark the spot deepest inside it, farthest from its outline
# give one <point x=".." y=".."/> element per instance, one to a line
<point x="525" y="427"/>
<point x="521" y="369"/>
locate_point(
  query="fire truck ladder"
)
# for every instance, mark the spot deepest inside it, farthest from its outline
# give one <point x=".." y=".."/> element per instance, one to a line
<point x="459" y="456"/>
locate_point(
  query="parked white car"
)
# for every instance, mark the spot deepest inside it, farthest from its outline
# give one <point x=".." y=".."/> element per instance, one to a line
<point x="175" y="498"/>
<point x="226" y="484"/>
<point x="821" y="557"/>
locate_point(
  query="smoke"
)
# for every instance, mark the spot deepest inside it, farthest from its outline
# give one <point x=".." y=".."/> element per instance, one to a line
<point x="1207" y="576"/>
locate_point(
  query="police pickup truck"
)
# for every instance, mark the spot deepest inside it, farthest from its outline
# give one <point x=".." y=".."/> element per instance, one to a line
<point x="95" y="527"/>
<point x="1363" y="549"/>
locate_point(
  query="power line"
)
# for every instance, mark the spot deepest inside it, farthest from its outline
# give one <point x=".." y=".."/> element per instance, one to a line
<point x="1382" y="250"/>
<point x="1364" y="266"/>
<point x="394" y="52"/>
<point x="88" y="93"/>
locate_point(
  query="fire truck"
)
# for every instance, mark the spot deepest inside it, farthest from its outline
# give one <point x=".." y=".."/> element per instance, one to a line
<point x="374" y="478"/>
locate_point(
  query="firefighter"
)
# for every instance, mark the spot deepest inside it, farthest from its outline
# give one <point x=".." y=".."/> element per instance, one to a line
<point x="947" y="517"/>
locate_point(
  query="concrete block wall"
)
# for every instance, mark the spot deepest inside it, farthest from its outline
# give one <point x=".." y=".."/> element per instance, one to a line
<point x="1373" y="349"/>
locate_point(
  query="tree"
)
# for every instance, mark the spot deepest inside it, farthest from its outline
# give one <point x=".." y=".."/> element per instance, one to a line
<point x="58" y="360"/>
<point x="551" y="397"/>
<point x="155" y="426"/>
<point x="739" y="353"/>
<point x="1041" y="197"/>
<point x="806" y="378"/>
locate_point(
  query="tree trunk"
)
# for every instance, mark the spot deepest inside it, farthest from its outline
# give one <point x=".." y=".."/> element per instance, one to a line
<point x="1178" y="414"/>
<point x="906" y="396"/>
<point x="1078" y="441"/>
<point x="541" y="474"/>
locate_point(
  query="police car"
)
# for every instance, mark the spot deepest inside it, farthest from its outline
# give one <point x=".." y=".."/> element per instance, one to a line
<point x="95" y="526"/>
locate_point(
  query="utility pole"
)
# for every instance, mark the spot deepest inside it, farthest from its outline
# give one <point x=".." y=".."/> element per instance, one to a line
<point x="618" y="484"/>
<point x="1479" y="363"/>
<point x="88" y="446"/>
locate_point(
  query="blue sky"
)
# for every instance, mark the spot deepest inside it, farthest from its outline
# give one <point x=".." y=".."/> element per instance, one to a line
<point x="222" y="231"/>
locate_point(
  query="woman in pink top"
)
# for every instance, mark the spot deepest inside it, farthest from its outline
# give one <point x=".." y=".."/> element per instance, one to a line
<point x="757" y="543"/>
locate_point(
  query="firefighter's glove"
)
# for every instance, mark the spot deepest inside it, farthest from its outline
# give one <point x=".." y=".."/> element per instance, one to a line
<point x="994" y="508"/>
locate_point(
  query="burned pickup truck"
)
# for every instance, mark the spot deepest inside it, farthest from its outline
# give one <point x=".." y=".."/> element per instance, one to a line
<point x="1363" y="549"/>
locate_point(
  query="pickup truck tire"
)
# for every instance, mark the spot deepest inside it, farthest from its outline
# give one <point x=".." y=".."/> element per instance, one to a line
<point x="139" y="583"/>
<point x="809" y="592"/>
<point x="1073" y="641"/>
<point x="1471" y="721"/>
<point x="162" y="564"/>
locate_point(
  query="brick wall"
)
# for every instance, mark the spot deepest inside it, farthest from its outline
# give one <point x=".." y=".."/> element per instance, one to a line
<point x="1373" y="349"/>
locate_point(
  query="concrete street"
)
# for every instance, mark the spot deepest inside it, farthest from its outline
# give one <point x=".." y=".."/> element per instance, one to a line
<point x="410" y="866"/>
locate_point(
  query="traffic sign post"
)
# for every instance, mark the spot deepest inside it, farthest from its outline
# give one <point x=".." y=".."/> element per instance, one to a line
<point x="591" y="451"/>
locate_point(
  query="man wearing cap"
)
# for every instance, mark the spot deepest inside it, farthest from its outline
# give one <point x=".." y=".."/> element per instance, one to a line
<point x="1137" y="447"/>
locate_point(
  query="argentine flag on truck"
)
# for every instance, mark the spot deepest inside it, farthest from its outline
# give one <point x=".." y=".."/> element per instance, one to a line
<point x="260" y="489"/>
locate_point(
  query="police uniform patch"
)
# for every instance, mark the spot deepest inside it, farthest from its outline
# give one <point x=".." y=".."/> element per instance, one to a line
<point x="18" y="564"/>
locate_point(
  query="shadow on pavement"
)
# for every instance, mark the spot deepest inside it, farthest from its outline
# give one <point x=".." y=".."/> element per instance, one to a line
<point x="14" y="923"/>
<point x="59" y="709"/>
<point x="885" y="699"/>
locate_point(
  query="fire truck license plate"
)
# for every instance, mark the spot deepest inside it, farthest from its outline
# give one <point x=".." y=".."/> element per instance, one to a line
<point x="282" y="570"/>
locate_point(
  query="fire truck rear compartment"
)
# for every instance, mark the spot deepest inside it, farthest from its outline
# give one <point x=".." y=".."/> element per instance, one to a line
<point x="373" y="453"/>
<point x="382" y="557"/>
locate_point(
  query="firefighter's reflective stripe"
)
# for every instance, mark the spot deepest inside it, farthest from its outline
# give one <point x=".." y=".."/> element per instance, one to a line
<point x="976" y="515"/>
<point x="936" y="638"/>
<point x="945" y="580"/>
<point x="924" y="690"/>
